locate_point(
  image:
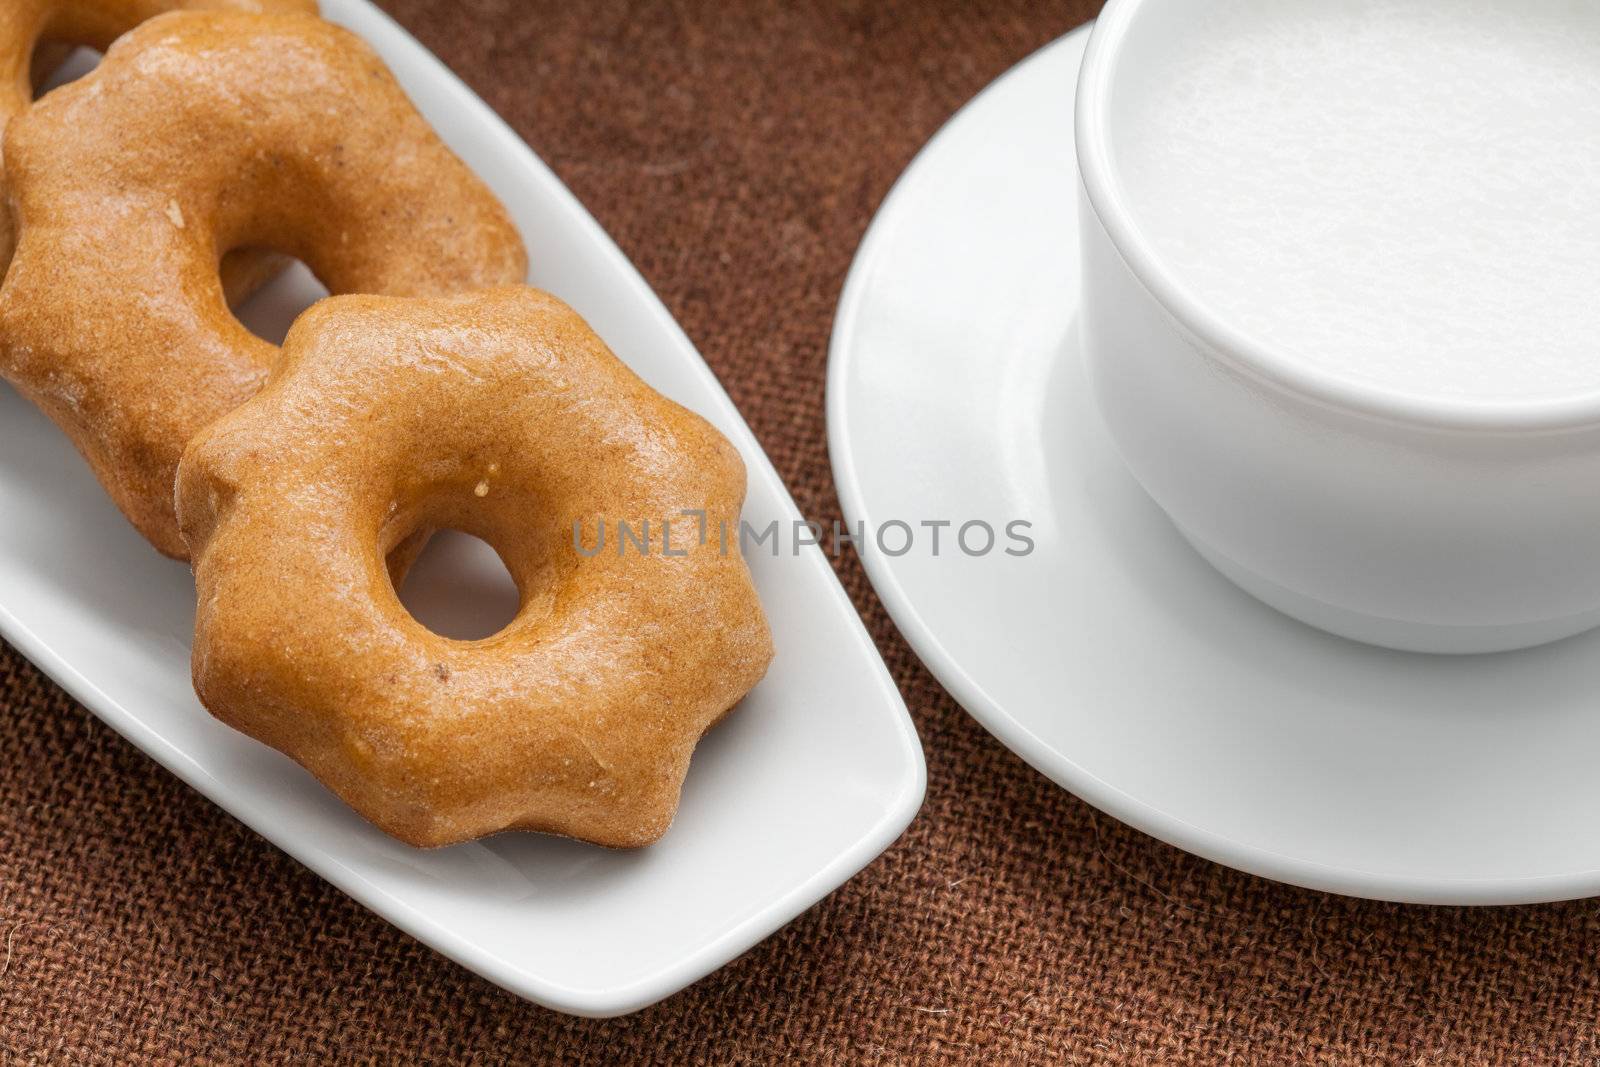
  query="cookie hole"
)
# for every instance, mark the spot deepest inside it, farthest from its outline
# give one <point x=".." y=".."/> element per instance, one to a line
<point x="57" y="63"/>
<point x="270" y="310"/>
<point x="459" y="588"/>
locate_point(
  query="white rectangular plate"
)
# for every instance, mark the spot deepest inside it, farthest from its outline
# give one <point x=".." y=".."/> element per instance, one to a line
<point x="815" y="774"/>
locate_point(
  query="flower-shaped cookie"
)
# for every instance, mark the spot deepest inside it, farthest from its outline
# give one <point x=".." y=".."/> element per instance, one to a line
<point x="36" y="35"/>
<point x="200" y="132"/>
<point x="500" y="414"/>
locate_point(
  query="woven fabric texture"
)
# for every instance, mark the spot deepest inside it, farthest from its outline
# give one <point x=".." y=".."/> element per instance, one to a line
<point x="737" y="151"/>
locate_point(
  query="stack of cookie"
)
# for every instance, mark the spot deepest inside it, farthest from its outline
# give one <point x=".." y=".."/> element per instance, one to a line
<point x="433" y="391"/>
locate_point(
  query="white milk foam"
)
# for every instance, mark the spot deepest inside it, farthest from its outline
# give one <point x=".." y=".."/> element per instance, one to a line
<point x="1403" y="191"/>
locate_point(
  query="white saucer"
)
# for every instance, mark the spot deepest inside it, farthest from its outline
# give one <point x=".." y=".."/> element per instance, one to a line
<point x="816" y="773"/>
<point x="1112" y="658"/>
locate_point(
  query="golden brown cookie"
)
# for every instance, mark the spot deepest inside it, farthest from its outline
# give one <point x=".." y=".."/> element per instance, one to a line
<point x="35" y="35"/>
<point x="200" y="132"/>
<point x="500" y="414"/>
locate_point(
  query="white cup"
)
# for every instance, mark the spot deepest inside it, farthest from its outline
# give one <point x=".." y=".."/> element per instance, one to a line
<point x="1426" y="523"/>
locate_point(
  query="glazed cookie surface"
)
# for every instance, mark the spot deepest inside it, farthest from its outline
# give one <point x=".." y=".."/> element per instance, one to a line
<point x="500" y="414"/>
<point x="201" y="132"/>
<point x="36" y="34"/>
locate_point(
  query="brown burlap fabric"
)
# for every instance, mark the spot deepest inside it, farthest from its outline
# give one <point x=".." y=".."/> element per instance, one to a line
<point x="737" y="153"/>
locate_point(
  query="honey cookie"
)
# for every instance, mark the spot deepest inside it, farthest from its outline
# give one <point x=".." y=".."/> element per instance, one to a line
<point x="500" y="414"/>
<point x="36" y="35"/>
<point x="200" y="132"/>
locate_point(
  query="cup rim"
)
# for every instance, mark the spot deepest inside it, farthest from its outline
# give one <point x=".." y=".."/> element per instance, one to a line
<point x="1262" y="361"/>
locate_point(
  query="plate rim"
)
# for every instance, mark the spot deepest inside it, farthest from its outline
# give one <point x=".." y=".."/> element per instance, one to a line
<point x="843" y="355"/>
